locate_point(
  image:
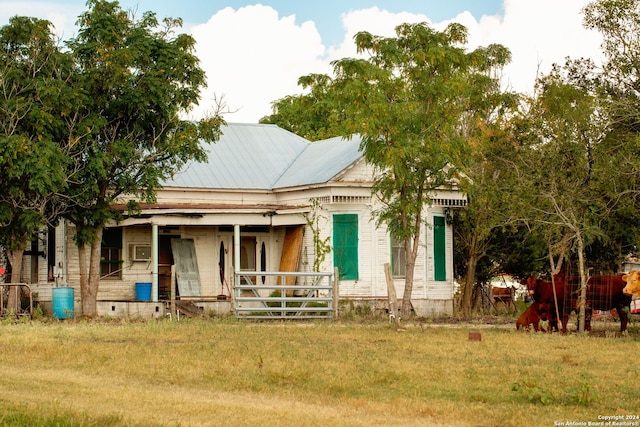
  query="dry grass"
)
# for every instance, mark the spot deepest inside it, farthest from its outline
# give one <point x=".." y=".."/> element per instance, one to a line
<point x="226" y="372"/>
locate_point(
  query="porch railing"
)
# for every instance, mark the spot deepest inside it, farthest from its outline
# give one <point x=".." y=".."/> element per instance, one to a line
<point x="313" y="296"/>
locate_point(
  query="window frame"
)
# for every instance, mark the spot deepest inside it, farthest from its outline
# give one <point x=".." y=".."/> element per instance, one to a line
<point x="111" y="261"/>
<point x="397" y="254"/>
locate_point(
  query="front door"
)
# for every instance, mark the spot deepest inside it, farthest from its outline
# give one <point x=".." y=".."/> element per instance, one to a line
<point x="165" y="261"/>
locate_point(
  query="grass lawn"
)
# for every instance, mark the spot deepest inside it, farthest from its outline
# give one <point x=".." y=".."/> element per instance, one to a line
<point x="226" y="372"/>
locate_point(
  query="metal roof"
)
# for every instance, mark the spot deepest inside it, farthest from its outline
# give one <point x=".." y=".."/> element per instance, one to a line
<point x="266" y="157"/>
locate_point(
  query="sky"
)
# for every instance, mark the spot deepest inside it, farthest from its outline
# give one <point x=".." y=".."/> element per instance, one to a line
<point x="254" y="51"/>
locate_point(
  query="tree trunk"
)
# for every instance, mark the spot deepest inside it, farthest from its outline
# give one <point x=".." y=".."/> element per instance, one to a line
<point x="15" y="259"/>
<point x="582" y="300"/>
<point x="410" y="266"/>
<point x="470" y="276"/>
<point x="84" y="275"/>
<point x="90" y="288"/>
<point x="555" y="269"/>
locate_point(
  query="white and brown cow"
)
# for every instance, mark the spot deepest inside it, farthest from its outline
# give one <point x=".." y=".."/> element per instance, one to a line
<point x="633" y="283"/>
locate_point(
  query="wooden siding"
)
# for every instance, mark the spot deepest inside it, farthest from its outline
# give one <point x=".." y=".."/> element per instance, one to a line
<point x="375" y="251"/>
<point x="358" y="172"/>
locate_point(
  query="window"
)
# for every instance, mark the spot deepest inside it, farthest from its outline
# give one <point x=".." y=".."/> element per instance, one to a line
<point x="398" y="258"/>
<point x="439" y="249"/>
<point x="345" y="245"/>
<point x="111" y="254"/>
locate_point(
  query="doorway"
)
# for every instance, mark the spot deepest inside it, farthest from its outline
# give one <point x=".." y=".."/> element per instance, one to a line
<point x="165" y="261"/>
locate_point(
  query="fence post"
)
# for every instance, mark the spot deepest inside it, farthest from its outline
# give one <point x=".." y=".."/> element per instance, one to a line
<point x="391" y="291"/>
<point x="334" y="291"/>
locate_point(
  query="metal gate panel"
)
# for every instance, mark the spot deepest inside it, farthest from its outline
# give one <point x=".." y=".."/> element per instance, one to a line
<point x="313" y="296"/>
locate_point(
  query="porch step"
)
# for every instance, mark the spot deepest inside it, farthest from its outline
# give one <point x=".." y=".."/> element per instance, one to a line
<point x="188" y="308"/>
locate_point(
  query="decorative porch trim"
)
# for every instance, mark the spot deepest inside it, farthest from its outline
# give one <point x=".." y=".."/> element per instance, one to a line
<point x="449" y="202"/>
<point x="334" y="199"/>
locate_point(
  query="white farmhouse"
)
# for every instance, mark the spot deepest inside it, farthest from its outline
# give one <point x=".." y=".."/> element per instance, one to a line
<point x="284" y="194"/>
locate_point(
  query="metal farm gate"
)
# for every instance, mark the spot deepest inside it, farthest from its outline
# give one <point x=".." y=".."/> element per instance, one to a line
<point x="313" y="295"/>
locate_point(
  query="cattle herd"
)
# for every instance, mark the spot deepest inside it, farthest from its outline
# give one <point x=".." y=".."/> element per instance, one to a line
<point x="555" y="301"/>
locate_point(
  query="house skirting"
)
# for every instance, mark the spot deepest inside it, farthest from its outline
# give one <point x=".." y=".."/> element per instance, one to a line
<point x="131" y="309"/>
<point x="380" y="306"/>
<point x="433" y="307"/>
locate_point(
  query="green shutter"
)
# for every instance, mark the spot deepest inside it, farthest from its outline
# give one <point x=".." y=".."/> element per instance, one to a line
<point x="439" y="248"/>
<point x="345" y="245"/>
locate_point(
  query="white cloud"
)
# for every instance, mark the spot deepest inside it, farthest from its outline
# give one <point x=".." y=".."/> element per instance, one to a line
<point x="63" y="17"/>
<point x="253" y="57"/>
<point x="538" y="34"/>
<point x="375" y="21"/>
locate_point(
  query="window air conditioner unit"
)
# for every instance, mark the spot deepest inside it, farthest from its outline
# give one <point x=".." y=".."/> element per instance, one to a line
<point x="140" y="252"/>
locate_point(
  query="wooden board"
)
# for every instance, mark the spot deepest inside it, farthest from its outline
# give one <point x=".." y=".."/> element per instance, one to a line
<point x="394" y="316"/>
<point x="187" y="275"/>
<point x="291" y="249"/>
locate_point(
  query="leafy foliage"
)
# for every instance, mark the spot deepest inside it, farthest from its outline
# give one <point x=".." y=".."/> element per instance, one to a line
<point x="314" y="116"/>
<point x="137" y="77"/>
<point x="408" y="102"/>
<point x="33" y="95"/>
<point x="98" y="123"/>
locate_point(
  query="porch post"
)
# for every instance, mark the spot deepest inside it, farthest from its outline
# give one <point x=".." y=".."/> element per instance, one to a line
<point x="236" y="254"/>
<point x="154" y="262"/>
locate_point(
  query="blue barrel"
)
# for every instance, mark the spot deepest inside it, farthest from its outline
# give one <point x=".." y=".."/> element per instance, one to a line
<point x="143" y="291"/>
<point x="63" y="303"/>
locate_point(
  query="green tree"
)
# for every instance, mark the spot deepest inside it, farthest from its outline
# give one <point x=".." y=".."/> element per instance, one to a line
<point x="33" y="96"/>
<point x="481" y="227"/>
<point x="137" y="76"/>
<point x="408" y="101"/>
<point x="415" y="100"/>
<point x="562" y="165"/>
<point x="619" y="23"/>
<point x="483" y="126"/>
<point x="315" y="115"/>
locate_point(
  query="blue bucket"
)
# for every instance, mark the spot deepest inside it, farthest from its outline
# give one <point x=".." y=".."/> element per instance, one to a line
<point x="63" y="303"/>
<point x="143" y="291"/>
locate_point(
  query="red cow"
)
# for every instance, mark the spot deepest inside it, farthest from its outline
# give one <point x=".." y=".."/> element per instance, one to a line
<point x="603" y="293"/>
<point x="542" y="292"/>
<point x="535" y="313"/>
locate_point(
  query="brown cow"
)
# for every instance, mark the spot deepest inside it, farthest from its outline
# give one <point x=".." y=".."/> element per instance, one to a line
<point x="632" y="279"/>
<point x="533" y="315"/>
<point x="503" y="295"/>
<point x="603" y="293"/>
<point x="542" y="292"/>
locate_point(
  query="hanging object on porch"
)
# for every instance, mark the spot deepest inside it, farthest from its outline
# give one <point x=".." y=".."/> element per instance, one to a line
<point x="263" y="260"/>
<point x="223" y="278"/>
<point x="187" y="275"/>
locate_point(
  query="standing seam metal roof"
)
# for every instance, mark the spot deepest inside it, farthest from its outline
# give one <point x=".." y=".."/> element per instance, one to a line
<point x="266" y="157"/>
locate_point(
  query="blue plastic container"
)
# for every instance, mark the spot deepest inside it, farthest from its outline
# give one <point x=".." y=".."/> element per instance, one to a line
<point x="63" y="303"/>
<point x="143" y="291"/>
